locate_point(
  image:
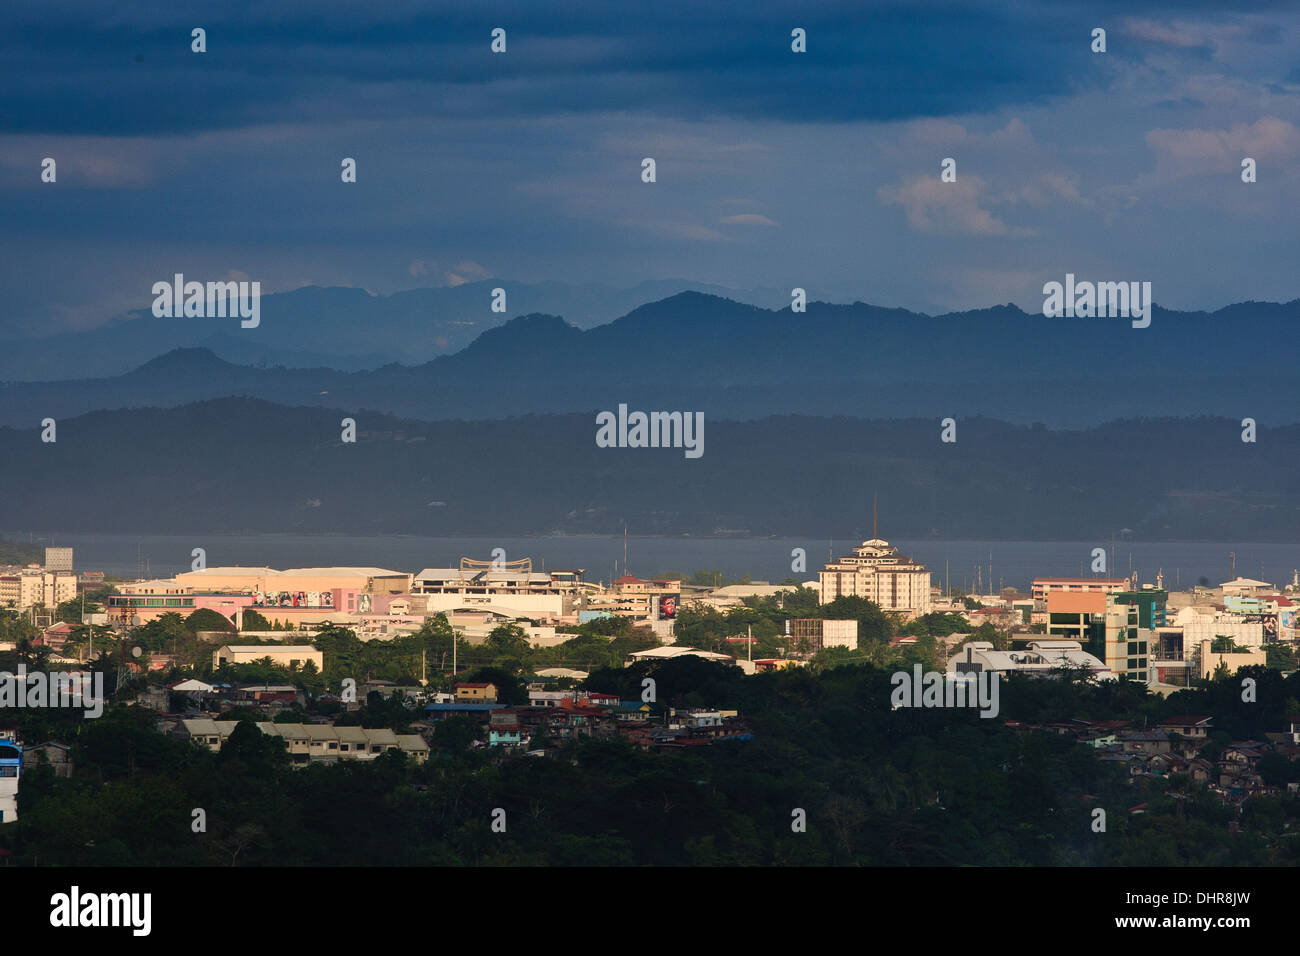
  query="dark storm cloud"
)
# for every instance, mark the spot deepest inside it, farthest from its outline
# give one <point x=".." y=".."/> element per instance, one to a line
<point x="130" y="71"/>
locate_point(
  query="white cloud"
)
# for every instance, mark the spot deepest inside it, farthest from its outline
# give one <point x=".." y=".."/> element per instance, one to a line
<point x="947" y="209"/>
<point x="748" y="219"/>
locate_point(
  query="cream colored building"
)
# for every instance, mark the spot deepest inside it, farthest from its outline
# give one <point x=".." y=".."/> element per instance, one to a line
<point x="22" y="588"/>
<point x="254" y="580"/>
<point x="280" y="655"/>
<point x="511" y="588"/>
<point x="878" y="572"/>
<point x="1233" y="662"/>
<point x="311" y="742"/>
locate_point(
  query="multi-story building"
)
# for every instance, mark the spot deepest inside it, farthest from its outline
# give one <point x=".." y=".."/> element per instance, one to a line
<point x="1045" y="586"/>
<point x="510" y="587"/>
<point x="22" y="588"/>
<point x="11" y="769"/>
<point x="821" y="633"/>
<point x="878" y="572"/>
<point x="58" y="559"/>
<point x="640" y="599"/>
<point x="1105" y="626"/>
<point x="1151" y="603"/>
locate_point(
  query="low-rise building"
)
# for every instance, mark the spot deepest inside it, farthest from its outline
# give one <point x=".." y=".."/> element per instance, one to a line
<point x="291" y="656"/>
<point x="476" y="693"/>
<point x="309" y="742"/>
<point x="1039" y="657"/>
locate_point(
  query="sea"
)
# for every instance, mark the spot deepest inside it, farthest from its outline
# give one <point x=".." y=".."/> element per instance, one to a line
<point x="970" y="565"/>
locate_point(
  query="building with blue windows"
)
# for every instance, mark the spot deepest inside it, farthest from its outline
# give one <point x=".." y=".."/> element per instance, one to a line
<point x="11" y="768"/>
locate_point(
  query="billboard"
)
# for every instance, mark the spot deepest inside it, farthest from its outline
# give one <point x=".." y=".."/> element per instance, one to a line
<point x="667" y="606"/>
<point x="293" y="599"/>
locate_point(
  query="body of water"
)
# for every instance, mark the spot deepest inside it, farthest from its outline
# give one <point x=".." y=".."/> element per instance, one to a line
<point x="1004" y="563"/>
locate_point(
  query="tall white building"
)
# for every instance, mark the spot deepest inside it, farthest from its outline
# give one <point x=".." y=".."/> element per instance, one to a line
<point x="58" y="559"/>
<point x="11" y="768"/>
<point x="876" y="571"/>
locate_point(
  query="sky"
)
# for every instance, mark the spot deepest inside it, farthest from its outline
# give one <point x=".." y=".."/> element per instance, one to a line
<point x="774" y="168"/>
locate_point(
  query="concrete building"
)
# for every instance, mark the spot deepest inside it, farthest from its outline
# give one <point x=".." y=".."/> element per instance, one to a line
<point x="1210" y="661"/>
<point x="821" y="633"/>
<point x="507" y="586"/>
<point x="1107" y="628"/>
<point x="1200" y="623"/>
<point x="299" y="596"/>
<point x="280" y="655"/>
<point x="11" y="769"/>
<point x="23" y="588"/>
<point x="1245" y="587"/>
<point x="1045" y="586"/>
<point x="309" y="743"/>
<point x="640" y="599"/>
<point x="58" y="559"/>
<point x="878" y="572"/>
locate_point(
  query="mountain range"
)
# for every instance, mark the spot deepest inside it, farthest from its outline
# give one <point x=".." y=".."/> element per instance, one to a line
<point x="338" y="327"/>
<point x="736" y="361"/>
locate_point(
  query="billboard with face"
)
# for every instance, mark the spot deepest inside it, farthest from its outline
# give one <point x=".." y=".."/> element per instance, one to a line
<point x="667" y="606"/>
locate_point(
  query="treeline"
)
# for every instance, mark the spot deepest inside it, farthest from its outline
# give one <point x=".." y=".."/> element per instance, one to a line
<point x="764" y="618"/>
<point x="876" y="786"/>
<point x="16" y="552"/>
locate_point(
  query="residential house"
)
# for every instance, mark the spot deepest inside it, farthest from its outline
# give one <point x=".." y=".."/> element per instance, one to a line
<point x="477" y="693"/>
<point x="1145" y="741"/>
<point x="504" y="729"/>
<point x="51" y="753"/>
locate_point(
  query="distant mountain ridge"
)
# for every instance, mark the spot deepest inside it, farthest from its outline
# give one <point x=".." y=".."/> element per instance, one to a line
<point x="341" y="327"/>
<point x="737" y="361"/>
<point x="240" y="464"/>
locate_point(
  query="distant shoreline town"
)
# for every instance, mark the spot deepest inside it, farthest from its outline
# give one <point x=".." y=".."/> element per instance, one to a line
<point x="497" y="643"/>
<point x="1145" y="631"/>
